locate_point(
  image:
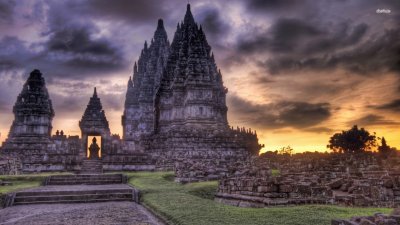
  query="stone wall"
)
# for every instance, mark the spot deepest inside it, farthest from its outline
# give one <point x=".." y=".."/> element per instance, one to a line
<point x="354" y="187"/>
<point x="198" y="155"/>
<point x="9" y="165"/>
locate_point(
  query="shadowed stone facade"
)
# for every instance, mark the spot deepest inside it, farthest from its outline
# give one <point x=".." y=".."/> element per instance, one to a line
<point x="191" y="93"/>
<point x="94" y="123"/>
<point x="139" y="115"/>
<point x="33" y="112"/>
<point x="30" y="139"/>
<point x="175" y="117"/>
<point x="176" y="109"/>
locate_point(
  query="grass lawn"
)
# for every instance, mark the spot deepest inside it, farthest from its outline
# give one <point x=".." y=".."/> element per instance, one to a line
<point x="193" y="204"/>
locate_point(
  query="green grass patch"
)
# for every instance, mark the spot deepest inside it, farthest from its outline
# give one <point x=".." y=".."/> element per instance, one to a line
<point x="193" y="204"/>
<point x="275" y="172"/>
<point x="24" y="181"/>
<point x="19" y="185"/>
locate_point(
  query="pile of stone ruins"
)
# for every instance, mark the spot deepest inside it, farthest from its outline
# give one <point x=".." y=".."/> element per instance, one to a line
<point x="376" y="219"/>
<point x="175" y="118"/>
<point x="340" y="179"/>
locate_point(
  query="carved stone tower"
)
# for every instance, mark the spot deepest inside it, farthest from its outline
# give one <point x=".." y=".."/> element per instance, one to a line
<point x="33" y="113"/>
<point x="94" y="123"/>
<point x="139" y="115"/>
<point x="191" y="93"/>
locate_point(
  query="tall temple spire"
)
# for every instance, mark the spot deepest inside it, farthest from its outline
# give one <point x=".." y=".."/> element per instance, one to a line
<point x="138" y="117"/>
<point x="160" y="35"/>
<point x="191" y="65"/>
<point x="130" y="83"/>
<point x="94" y="114"/>
<point x="160" y="24"/>
<point x="188" y="16"/>
<point x="135" y="70"/>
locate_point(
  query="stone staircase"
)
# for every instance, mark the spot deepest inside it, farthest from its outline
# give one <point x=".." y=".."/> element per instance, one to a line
<point x="80" y="188"/>
<point x="76" y="195"/>
<point x="88" y="179"/>
<point x="91" y="166"/>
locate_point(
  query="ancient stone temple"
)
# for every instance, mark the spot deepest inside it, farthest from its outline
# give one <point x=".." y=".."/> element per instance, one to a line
<point x="33" y="113"/>
<point x="176" y="111"/>
<point x="139" y="117"/>
<point x="191" y="93"/>
<point x="175" y="118"/>
<point x="29" y="139"/>
<point x="94" y="123"/>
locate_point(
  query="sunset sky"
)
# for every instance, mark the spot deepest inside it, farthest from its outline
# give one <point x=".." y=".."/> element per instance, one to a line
<point x="296" y="71"/>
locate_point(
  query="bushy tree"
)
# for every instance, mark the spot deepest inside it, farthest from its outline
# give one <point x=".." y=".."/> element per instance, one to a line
<point x="286" y="150"/>
<point x="352" y="141"/>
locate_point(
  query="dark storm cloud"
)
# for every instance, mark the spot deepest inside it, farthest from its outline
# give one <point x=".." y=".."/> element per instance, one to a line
<point x="377" y="54"/>
<point x="283" y="36"/>
<point x="7" y="10"/>
<point x="391" y="106"/>
<point x="271" y="5"/>
<point x="71" y="49"/>
<point x="75" y="44"/>
<point x="372" y="120"/>
<point x="304" y="35"/>
<point x="99" y="58"/>
<point x="281" y="114"/>
<point x="14" y="53"/>
<point x="137" y="11"/>
<point x="319" y="130"/>
<point x="77" y="39"/>
<point x="213" y="23"/>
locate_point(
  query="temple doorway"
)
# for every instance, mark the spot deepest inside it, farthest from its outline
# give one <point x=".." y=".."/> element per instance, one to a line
<point x="89" y="141"/>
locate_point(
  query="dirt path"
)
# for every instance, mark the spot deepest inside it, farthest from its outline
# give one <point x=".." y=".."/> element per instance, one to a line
<point x="121" y="213"/>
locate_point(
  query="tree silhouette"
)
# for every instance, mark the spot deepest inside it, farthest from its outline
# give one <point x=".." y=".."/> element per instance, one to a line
<point x="384" y="149"/>
<point x="286" y="150"/>
<point x="352" y="141"/>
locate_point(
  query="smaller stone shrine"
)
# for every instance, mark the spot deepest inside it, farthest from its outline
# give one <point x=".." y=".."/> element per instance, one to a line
<point x="94" y="123"/>
<point x="29" y="140"/>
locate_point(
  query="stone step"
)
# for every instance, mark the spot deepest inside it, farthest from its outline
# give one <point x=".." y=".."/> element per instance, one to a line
<point x="84" y="178"/>
<point x="91" y="167"/>
<point x="84" y="182"/>
<point x="87" y="179"/>
<point x="87" y="175"/>
<point x="94" y="179"/>
<point x="75" y="196"/>
<point x="73" y="192"/>
<point x="72" y="201"/>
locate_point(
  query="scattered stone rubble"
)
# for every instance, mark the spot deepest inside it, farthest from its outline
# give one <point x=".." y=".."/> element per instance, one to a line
<point x="334" y="183"/>
<point x="376" y="219"/>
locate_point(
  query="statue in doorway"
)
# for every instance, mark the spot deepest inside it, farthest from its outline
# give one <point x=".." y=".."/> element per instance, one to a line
<point x="94" y="149"/>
